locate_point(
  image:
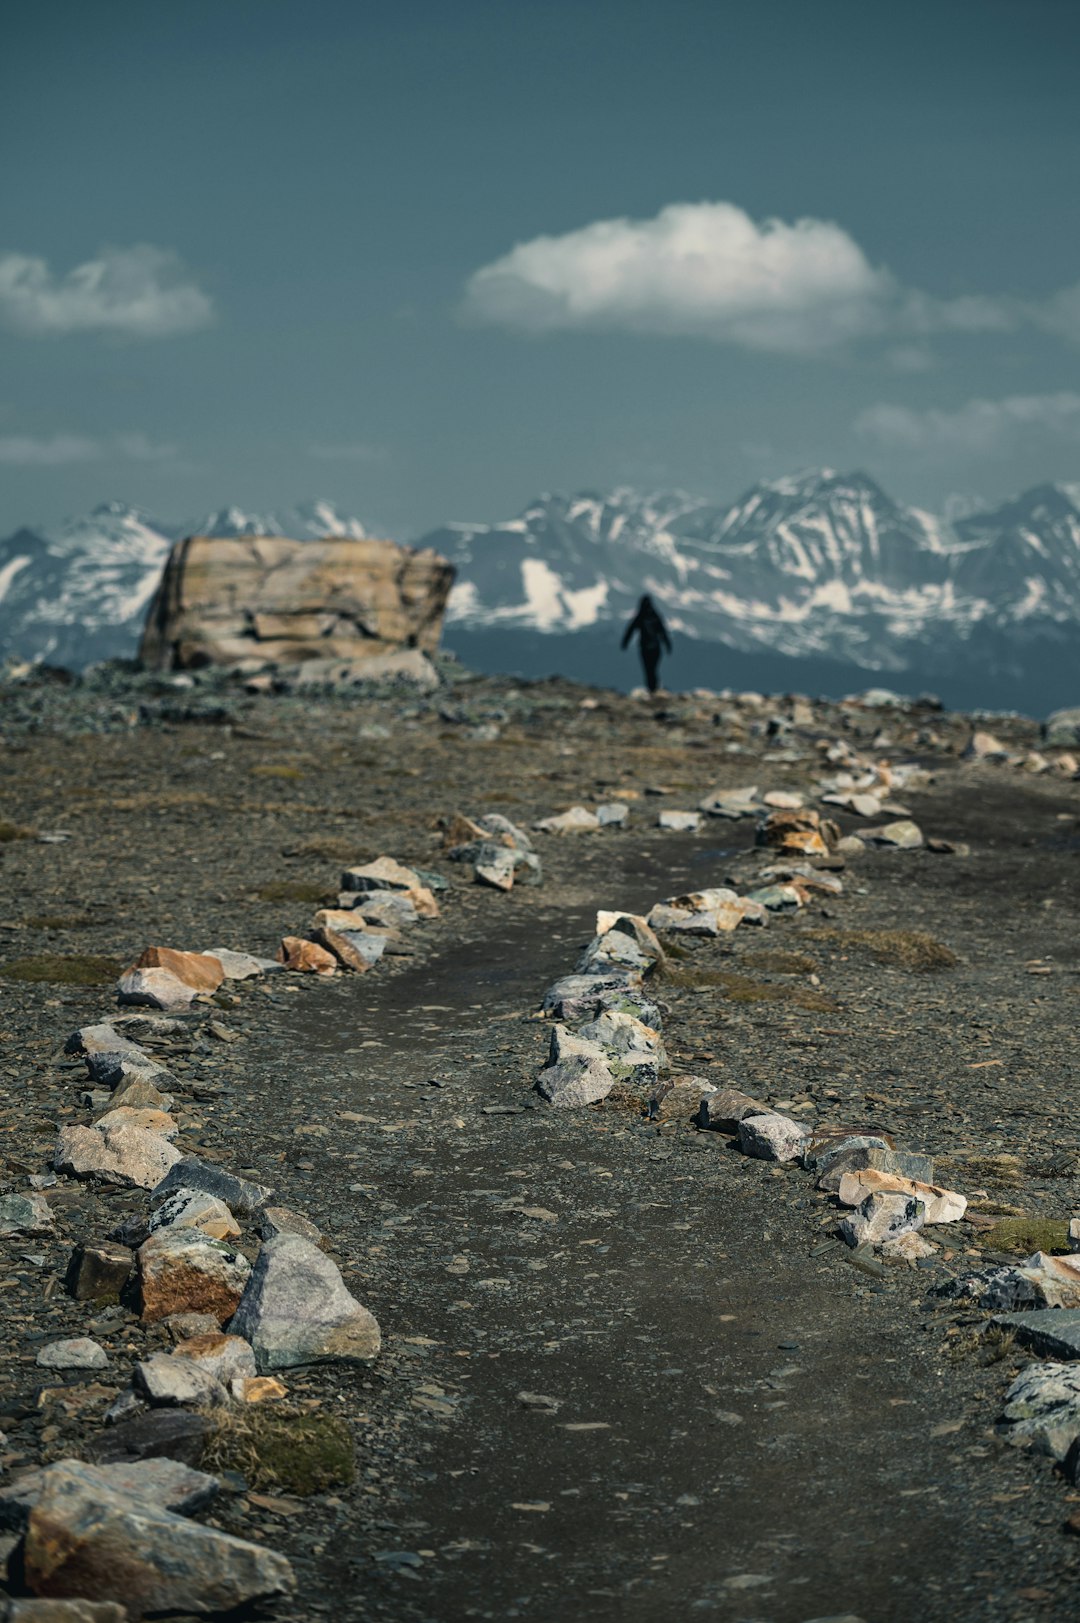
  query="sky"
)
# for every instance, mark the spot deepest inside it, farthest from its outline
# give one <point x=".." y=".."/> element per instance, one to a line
<point x="431" y="258"/>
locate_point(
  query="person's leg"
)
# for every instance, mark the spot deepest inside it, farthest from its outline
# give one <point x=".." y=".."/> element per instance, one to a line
<point x="650" y="659"/>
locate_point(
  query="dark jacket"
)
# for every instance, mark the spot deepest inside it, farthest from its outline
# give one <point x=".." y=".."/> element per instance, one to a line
<point x="649" y="627"/>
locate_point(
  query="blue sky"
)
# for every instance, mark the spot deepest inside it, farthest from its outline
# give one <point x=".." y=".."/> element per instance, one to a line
<point x="431" y="259"/>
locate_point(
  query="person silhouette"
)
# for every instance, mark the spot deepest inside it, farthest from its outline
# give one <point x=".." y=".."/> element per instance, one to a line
<point x="652" y="635"/>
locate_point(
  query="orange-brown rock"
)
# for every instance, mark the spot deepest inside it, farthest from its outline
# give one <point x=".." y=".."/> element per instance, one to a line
<point x="340" y="947"/>
<point x="196" y="969"/>
<point x="184" y="1271"/>
<point x="238" y="599"/>
<point x="801" y="831"/>
<point x="306" y="956"/>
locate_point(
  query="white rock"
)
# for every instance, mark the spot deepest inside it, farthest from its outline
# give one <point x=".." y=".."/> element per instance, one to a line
<point x="165" y="1379"/>
<point x="908" y="1248"/>
<point x="577" y="1072"/>
<point x="1042" y="1409"/>
<point x="123" y="1155"/>
<point x="882" y="1216"/>
<point x="939" y="1205"/>
<point x="612" y="814"/>
<point x="772" y="1137"/>
<point x="680" y="822"/>
<point x="238" y="966"/>
<point x="297" y="1310"/>
<point x="154" y="988"/>
<point x="78" y="1353"/>
<point x="193" y="1209"/>
<point x="578" y="820"/>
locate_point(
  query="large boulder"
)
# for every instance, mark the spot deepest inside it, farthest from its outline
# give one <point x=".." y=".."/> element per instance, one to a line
<point x="226" y="601"/>
<point x="88" y="1539"/>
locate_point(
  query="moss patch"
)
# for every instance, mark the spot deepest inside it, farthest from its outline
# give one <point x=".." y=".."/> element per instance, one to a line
<point x="56" y="969"/>
<point x="780" y="963"/>
<point x="13" y="831"/>
<point x="288" y="774"/>
<point x="273" y="1447"/>
<point x="905" y="949"/>
<point x="1003" y="1171"/>
<point x="741" y="989"/>
<point x="292" y="890"/>
<point x="1026" y="1234"/>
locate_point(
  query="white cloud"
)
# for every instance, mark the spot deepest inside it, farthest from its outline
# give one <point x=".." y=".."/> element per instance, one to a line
<point x="977" y="428"/>
<point x="707" y="270"/>
<point x="57" y="450"/>
<point x="697" y="270"/>
<point x="142" y="291"/>
<point x="358" y="452"/>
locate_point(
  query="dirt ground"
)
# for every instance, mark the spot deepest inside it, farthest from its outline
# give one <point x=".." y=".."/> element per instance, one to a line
<point x="734" y="1420"/>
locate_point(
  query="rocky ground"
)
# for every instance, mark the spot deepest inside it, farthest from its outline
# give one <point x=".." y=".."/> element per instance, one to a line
<point x="621" y="1359"/>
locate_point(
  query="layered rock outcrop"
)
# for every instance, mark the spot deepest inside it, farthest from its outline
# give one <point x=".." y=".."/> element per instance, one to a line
<point x="254" y="600"/>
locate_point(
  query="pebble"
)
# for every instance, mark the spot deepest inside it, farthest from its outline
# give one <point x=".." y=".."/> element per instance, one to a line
<point x="78" y="1353"/>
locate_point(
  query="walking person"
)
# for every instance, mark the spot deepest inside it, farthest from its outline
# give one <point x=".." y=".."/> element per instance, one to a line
<point x="652" y="635"/>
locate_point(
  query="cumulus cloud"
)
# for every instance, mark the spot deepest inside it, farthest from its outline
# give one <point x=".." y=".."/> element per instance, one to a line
<point x="142" y="292"/>
<point x="57" y="450"/>
<point x="977" y="428"/>
<point x="708" y="270"/>
<point x="702" y="270"/>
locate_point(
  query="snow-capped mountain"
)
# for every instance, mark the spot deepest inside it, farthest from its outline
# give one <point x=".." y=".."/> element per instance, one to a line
<point x="817" y="564"/>
<point x="79" y="592"/>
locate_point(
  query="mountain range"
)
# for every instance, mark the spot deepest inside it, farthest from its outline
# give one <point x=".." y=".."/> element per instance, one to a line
<point x="818" y="566"/>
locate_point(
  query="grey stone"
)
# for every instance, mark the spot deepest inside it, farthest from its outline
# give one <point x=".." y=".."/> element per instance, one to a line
<point x="296" y="1309"/>
<point x="104" y="1039"/>
<point x="883" y="1215"/>
<point x="119" y="1154"/>
<point x="823" y="1153"/>
<point x="1050" y="1332"/>
<point x="25" y="1214"/>
<point x="1038" y="1282"/>
<point x="174" y="1433"/>
<point x="496" y="823"/>
<point x="724" y="1108"/>
<point x="854" y="1157"/>
<point x="1042" y="1409"/>
<point x="166" y="1483"/>
<point x="86" y="1539"/>
<point x="772" y="1137"/>
<point x="612" y="814"/>
<point x="577" y="1072"/>
<point x="240" y="1196"/>
<point x="1062" y="729"/>
<point x="903" y="835"/>
<point x="224" y="1357"/>
<point x="388" y="907"/>
<point x="583" y="997"/>
<point x="280" y="1220"/>
<point x="238" y="966"/>
<point x="194" y="1209"/>
<point x="78" y="1353"/>
<point x="383" y="874"/>
<point x="614" y="950"/>
<point x="163" y="1378"/>
<point x="680" y="822"/>
<point x="627" y="1042"/>
<point x="98" y="1271"/>
<point x="140" y="1093"/>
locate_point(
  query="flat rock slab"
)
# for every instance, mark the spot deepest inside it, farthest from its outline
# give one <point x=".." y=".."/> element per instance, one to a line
<point x="240" y="1195"/>
<point x="1051" y="1332"/>
<point x="86" y="1539"/>
<point x="166" y="1483"/>
<point x="1042" y="1409"/>
<point x="121" y="1154"/>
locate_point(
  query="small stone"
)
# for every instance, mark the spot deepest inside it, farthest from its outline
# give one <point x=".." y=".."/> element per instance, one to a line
<point x="121" y="1154"/>
<point x="182" y="1326"/>
<point x="627" y="1041"/>
<point x="154" y="989"/>
<point x="280" y="1220"/>
<point x="983" y="746"/>
<point x="342" y="947"/>
<point x="194" y="1209"/>
<point x="577" y="820"/>
<point x="612" y="814"/>
<point x="237" y="966"/>
<point x="258" y="1389"/>
<point x="239" y="1194"/>
<point x="903" y="835"/>
<point x="1074" y="1234"/>
<point x="1042" y="1409"/>
<point x="164" y="1378"/>
<point x="78" y="1353"/>
<point x="177" y="1434"/>
<point x="167" y="1483"/>
<point x="99" y="1271"/>
<point x="106" y="1040"/>
<point x="772" y="1137"/>
<point x="724" y="1108"/>
<point x="297" y="1310"/>
<point x="829" y="1145"/>
<point x="198" y="970"/>
<point x="680" y="822"/>
<point x="184" y="1271"/>
<point x="25" y="1214"/>
<point x="910" y="1248"/>
<point x="225" y="1357"/>
<point x="305" y="957"/>
<point x="85" y="1539"/>
<point x="385" y="873"/>
<point x="138" y="1092"/>
<point x="850" y="1156"/>
<point x="881" y="1216"/>
<point x="577" y="1072"/>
